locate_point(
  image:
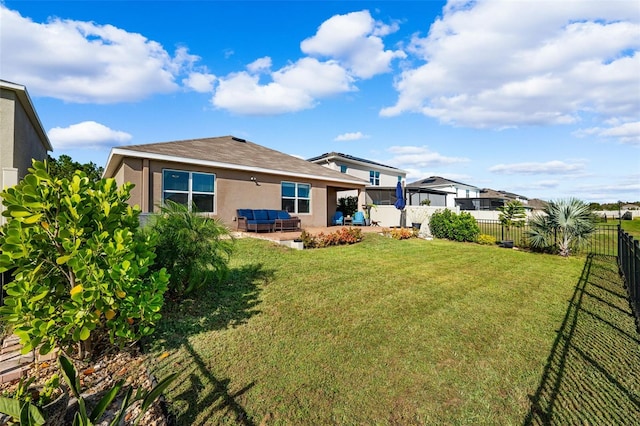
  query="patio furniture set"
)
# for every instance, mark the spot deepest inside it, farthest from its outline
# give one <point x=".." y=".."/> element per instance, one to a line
<point x="357" y="219"/>
<point x="257" y="220"/>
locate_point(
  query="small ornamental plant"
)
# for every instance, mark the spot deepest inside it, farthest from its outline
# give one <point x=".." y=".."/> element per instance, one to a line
<point x="401" y="233"/>
<point x="80" y="266"/>
<point x="341" y="237"/>
<point x="486" y="239"/>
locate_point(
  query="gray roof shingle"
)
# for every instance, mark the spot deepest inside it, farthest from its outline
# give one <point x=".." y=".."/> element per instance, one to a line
<point x="232" y="152"/>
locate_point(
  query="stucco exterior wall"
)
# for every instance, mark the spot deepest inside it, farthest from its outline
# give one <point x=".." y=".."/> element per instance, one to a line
<point x="7" y="114"/>
<point x="20" y="141"/>
<point x="28" y="144"/>
<point x="233" y="190"/>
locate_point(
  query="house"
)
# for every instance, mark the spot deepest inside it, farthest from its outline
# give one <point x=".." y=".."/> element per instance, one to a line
<point x="382" y="178"/>
<point x="22" y="137"/>
<point x="440" y="192"/>
<point x="491" y="199"/>
<point x="219" y="175"/>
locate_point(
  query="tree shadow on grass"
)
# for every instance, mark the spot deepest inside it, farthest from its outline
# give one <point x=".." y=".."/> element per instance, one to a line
<point x="592" y="375"/>
<point x="228" y="304"/>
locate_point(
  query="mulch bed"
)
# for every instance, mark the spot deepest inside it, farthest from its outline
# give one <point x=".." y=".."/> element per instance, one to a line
<point x="99" y="375"/>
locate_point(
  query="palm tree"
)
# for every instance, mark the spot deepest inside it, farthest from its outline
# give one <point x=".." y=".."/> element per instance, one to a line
<point x="567" y="223"/>
<point x="512" y="215"/>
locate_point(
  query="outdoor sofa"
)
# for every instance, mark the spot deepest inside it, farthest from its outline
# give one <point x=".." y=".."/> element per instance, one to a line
<point x="257" y="220"/>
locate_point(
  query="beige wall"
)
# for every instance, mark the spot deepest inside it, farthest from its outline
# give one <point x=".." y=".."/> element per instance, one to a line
<point x="7" y="114"/>
<point x="233" y="190"/>
<point x="19" y="142"/>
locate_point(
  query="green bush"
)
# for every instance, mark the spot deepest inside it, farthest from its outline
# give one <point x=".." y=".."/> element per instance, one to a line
<point x="195" y="248"/>
<point x="449" y="225"/>
<point x="80" y="265"/>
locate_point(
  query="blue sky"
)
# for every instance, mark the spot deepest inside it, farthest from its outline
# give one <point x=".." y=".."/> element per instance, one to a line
<point x="541" y="98"/>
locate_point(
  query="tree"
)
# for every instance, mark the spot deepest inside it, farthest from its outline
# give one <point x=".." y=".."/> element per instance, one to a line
<point x="195" y="248"/>
<point x="348" y="205"/>
<point x="65" y="167"/>
<point x="80" y="265"/>
<point x="565" y="223"/>
<point x="513" y="215"/>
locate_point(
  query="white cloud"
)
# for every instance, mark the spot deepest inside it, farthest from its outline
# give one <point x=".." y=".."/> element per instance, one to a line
<point x="259" y="65"/>
<point x="501" y="64"/>
<point x="294" y="88"/>
<point x="407" y="157"/>
<point x="85" y="62"/>
<point x="200" y="82"/>
<point x="628" y="133"/>
<point x="353" y="136"/>
<point x="351" y="47"/>
<point x="87" y="134"/>
<point x="354" y="40"/>
<point x="242" y="93"/>
<point x="554" y="167"/>
<point x="621" y="189"/>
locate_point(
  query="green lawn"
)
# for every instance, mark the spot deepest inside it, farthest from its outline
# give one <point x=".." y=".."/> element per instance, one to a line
<point x="392" y="332"/>
<point x="632" y="227"/>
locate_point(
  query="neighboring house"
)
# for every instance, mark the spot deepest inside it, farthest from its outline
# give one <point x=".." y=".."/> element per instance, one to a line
<point x="490" y="199"/>
<point x="382" y="178"/>
<point x="440" y="192"/>
<point x="222" y="174"/>
<point x="22" y="137"/>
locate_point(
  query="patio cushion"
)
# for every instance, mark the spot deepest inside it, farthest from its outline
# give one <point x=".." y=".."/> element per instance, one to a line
<point x="247" y="213"/>
<point x="261" y="214"/>
<point x="273" y="214"/>
<point x="283" y="214"/>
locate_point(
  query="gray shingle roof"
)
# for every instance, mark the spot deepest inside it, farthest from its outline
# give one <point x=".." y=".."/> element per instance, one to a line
<point x="435" y="181"/>
<point x="232" y="152"/>
<point x="352" y="158"/>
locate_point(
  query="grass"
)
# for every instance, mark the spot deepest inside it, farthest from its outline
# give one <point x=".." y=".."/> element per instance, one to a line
<point x="384" y="332"/>
<point x="632" y="227"/>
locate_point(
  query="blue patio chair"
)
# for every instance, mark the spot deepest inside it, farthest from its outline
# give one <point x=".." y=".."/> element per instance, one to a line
<point x="337" y="218"/>
<point x="358" y="219"/>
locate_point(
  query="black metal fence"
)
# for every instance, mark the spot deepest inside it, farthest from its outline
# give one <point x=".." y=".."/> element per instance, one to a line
<point x="629" y="265"/>
<point x="603" y="242"/>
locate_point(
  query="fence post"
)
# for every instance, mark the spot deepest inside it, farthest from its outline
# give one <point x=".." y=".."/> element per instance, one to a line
<point x="635" y="274"/>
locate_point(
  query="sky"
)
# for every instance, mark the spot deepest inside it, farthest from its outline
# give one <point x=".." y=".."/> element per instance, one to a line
<point x="540" y="98"/>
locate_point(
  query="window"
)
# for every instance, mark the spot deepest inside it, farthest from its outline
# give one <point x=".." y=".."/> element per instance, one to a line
<point x="296" y="197"/>
<point x="193" y="189"/>
<point x="467" y="193"/>
<point x="343" y="168"/>
<point x="374" y="178"/>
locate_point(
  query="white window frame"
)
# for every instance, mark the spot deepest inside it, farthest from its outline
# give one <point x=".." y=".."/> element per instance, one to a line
<point x="295" y="198"/>
<point x="374" y="178"/>
<point x="190" y="191"/>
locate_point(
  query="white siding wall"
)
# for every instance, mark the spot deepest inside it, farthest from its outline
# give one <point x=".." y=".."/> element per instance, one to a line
<point x="389" y="216"/>
<point x="360" y="171"/>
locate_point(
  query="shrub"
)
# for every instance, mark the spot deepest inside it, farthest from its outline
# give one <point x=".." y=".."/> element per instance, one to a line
<point x="486" y="239"/>
<point x="80" y="265"/>
<point x="401" y="233"/>
<point x="449" y="225"/>
<point x="340" y="237"/>
<point x="195" y="248"/>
